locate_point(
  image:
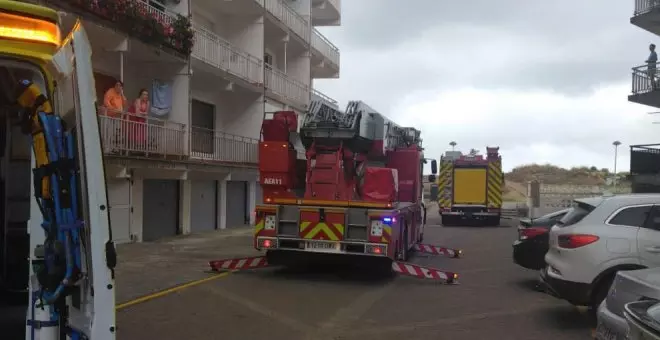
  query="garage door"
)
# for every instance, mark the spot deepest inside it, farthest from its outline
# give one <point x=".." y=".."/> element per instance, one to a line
<point x="259" y="195"/>
<point x="119" y="201"/>
<point x="236" y="203"/>
<point x="161" y="209"/>
<point x="203" y="206"/>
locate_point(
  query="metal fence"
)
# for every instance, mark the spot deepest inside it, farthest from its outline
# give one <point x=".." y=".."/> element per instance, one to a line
<point x="210" y="145"/>
<point x="124" y="133"/>
<point x="644" y="79"/>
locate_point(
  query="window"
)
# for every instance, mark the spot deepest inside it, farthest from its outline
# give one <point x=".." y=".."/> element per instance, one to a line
<point x="633" y="216"/>
<point x="203" y="126"/>
<point x="654" y="221"/>
<point x="268" y="59"/>
<point x="159" y="4"/>
<point x="576" y="214"/>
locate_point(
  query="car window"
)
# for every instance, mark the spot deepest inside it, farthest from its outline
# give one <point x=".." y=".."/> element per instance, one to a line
<point x="574" y="215"/>
<point x="633" y="216"/>
<point x="654" y="221"/>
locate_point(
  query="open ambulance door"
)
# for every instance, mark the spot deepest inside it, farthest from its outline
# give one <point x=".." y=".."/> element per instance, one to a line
<point x="75" y="101"/>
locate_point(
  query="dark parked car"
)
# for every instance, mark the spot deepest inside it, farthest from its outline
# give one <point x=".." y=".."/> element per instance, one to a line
<point x="533" y="242"/>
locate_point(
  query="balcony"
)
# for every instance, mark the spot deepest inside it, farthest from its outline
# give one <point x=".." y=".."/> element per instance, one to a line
<point x="214" y="146"/>
<point x="326" y="12"/>
<point x="317" y="95"/>
<point x="645" y="86"/>
<point x="325" y="48"/>
<point x="125" y="134"/>
<point x="217" y="52"/>
<point x="138" y="19"/>
<point x="647" y="15"/>
<point x="290" y="90"/>
<point x="288" y="16"/>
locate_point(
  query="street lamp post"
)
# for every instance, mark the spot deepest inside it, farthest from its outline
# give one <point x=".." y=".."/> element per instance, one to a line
<point x="616" y="144"/>
<point x="453" y="145"/>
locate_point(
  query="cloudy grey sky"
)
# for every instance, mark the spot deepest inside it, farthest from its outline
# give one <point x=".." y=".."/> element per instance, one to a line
<point x="547" y="81"/>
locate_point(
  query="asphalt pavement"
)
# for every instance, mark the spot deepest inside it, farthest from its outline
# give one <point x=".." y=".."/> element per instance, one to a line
<point x="495" y="298"/>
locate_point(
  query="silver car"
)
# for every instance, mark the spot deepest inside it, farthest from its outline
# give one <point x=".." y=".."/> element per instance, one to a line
<point x="643" y="320"/>
<point x="628" y="286"/>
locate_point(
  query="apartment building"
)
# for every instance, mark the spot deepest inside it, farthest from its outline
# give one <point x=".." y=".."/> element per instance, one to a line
<point x="645" y="159"/>
<point x="212" y="69"/>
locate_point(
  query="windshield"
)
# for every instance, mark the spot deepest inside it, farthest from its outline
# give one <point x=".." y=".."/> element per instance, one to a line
<point x="576" y="214"/>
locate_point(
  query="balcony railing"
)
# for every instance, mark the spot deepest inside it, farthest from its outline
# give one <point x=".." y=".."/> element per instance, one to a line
<point x="323" y="45"/>
<point x="210" y="145"/>
<point x="645" y="6"/>
<point x="279" y="83"/>
<point x="321" y="95"/>
<point x="217" y="52"/>
<point x="645" y="79"/>
<point x="288" y="16"/>
<point x="131" y="135"/>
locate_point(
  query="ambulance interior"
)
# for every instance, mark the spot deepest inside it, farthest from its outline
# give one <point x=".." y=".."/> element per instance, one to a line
<point x="15" y="199"/>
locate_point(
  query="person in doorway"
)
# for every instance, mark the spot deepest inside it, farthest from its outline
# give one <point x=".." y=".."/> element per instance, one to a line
<point x="114" y="102"/>
<point x="651" y="65"/>
<point x="138" y="116"/>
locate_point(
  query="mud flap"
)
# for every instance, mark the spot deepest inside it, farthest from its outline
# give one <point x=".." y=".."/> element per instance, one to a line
<point x="421" y="272"/>
<point x="239" y="264"/>
<point x="435" y="250"/>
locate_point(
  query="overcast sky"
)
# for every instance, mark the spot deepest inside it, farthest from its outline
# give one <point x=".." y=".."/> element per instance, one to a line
<point x="547" y="81"/>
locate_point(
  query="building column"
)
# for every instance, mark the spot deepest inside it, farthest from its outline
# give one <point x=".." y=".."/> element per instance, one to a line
<point x="222" y="204"/>
<point x="181" y="103"/>
<point x="185" y="199"/>
<point x="137" y="208"/>
<point x="252" y="199"/>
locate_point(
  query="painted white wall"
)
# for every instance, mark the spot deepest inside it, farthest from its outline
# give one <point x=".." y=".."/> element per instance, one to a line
<point x="185" y="199"/>
<point x="300" y="67"/>
<point x="246" y="32"/>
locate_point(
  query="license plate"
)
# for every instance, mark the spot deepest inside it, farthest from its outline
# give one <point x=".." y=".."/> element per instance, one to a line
<point x="604" y="333"/>
<point x="328" y="247"/>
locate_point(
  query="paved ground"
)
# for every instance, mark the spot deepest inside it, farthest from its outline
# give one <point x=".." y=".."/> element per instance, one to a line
<point x="495" y="297"/>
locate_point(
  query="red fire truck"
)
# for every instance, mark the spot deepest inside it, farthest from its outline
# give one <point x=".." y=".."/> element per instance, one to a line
<point x="357" y="195"/>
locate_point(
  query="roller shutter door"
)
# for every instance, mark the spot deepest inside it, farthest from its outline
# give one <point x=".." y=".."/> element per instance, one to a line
<point x="236" y="205"/>
<point x="203" y="206"/>
<point x="161" y="209"/>
<point x="119" y="201"/>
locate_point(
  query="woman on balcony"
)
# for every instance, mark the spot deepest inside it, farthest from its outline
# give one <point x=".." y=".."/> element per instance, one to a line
<point x="137" y="132"/>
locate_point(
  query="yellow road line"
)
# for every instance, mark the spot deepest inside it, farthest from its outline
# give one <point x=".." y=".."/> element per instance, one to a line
<point x="170" y="291"/>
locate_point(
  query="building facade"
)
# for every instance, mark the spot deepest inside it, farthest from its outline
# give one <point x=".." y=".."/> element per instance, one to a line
<point x="212" y="70"/>
<point x="645" y="159"/>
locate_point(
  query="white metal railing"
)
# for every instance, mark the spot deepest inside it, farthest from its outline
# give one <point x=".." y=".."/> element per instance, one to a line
<point x="287" y="15"/>
<point x="321" y="95"/>
<point x="163" y="16"/>
<point x="215" y="51"/>
<point x="279" y="83"/>
<point x="325" y="47"/>
<point x="211" y="145"/>
<point x="645" y="6"/>
<point x="645" y="79"/>
<point x="129" y="134"/>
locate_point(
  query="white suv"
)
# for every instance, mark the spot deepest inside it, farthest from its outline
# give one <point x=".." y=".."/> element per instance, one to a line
<point x="598" y="237"/>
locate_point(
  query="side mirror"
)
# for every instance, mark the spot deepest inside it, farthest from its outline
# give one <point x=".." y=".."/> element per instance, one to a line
<point x="431" y="178"/>
<point x="434" y="167"/>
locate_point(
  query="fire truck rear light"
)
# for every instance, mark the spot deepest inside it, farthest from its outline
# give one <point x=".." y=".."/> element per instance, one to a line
<point x="376" y="249"/>
<point x="268" y="199"/>
<point x="267" y="243"/>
